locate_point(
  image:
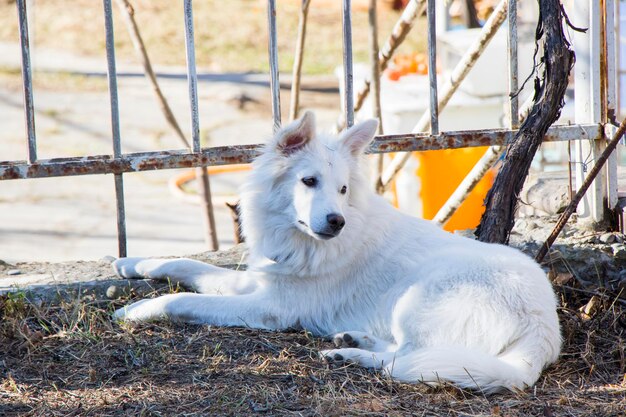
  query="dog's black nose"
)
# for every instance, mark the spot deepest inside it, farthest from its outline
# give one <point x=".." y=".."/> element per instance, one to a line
<point x="336" y="221"/>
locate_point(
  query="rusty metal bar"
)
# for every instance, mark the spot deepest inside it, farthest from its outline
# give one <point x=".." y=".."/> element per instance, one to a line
<point x="112" y="78"/>
<point x="27" y="81"/>
<point x="611" y="59"/>
<point x="273" y="55"/>
<point x="208" y="215"/>
<point x="122" y="240"/>
<point x="228" y="155"/>
<point x="192" y="77"/>
<point x="204" y="184"/>
<point x="571" y="208"/>
<point x="115" y="126"/>
<point x="432" y="66"/>
<point x="348" y="98"/>
<point x="513" y="65"/>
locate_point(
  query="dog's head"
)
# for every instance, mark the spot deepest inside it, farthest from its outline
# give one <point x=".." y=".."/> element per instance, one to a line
<point x="313" y="175"/>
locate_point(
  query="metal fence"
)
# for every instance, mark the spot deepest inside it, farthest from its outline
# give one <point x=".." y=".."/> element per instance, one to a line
<point x="594" y="83"/>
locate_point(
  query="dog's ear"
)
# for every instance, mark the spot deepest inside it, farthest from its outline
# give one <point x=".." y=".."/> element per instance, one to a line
<point x="296" y="134"/>
<point x="359" y="136"/>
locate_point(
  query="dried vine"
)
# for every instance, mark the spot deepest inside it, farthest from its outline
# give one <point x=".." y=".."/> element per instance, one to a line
<point x="556" y="62"/>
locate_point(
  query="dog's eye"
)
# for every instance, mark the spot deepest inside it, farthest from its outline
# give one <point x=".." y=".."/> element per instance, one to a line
<point x="344" y="190"/>
<point x="309" y="181"/>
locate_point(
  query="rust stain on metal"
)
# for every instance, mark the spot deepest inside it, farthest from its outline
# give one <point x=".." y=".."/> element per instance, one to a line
<point x="150" y="165"/>
<point x="227" y="155"/>
<point x="12" y="174"/>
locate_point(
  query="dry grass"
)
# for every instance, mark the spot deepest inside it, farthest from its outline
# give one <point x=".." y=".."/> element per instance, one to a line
<point x="71" y="360"/>
<point x="230" y="35"/>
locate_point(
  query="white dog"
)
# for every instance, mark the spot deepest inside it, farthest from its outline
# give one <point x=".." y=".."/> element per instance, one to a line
<point x="328" y="255"/>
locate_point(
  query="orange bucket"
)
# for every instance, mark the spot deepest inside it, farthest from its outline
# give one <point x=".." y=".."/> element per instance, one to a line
<point x="440" y="173"/>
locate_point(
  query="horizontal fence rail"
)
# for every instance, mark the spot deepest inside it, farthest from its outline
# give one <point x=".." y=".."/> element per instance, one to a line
<point x="228" y="155"/>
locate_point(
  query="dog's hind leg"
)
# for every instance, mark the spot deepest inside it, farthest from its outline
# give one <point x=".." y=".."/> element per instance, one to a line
<point x="194" y="275"/>
<point x="365" y="358"/>
<point x="362" y="340"/>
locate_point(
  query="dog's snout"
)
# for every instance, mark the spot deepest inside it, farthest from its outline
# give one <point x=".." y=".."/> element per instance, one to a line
<point x="336" y="221"/>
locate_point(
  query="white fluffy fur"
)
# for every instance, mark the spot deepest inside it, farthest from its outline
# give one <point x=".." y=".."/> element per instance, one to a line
<point x="418" y="302"/>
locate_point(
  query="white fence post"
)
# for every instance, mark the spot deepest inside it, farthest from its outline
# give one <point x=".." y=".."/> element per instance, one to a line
<point x="587" y="85"/>
<point x="611" y="95"/>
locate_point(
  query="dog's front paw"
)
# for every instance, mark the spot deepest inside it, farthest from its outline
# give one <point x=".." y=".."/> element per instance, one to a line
<point x="144" y="310"/>
<point x="127" y="267"/>
<point x="332" y="356"/>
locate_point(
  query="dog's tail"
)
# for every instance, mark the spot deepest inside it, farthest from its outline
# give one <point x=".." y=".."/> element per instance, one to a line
<point x="517" y="368"/>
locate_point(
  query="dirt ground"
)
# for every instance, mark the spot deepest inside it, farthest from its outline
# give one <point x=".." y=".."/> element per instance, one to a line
<point x="67" y="358"/>
<point x="70" y="359"/>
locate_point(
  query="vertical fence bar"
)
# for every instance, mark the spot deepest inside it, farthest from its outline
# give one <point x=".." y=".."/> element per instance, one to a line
<point x="618" y="58"/>
<point x="27" y="82"/>
<point x="204" y="185"/>
<point x="611" y="59"/>
<point x="348" y="98"/>
<point x="273" y="55"/>
<point x="112" y="78"/>
<point x="513" y="68"/>
<point x="432" y="67"/>
<point x="115" y="126"/>
<point x="192" y="77"/>
<point x="121" y="216"/>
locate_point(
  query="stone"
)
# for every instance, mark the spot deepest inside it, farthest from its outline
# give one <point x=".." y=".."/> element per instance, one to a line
<point x="608" y="238"/>
<point x="113" y="292"/>
<point x="520" y="225"/>
<point x="619" y="251"/>
<point x="108" y="258"/>
<point x="469" y="233"/>
<point x="14" y="272"/>
<point x="608" y="249"/>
